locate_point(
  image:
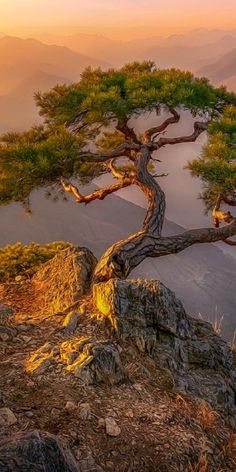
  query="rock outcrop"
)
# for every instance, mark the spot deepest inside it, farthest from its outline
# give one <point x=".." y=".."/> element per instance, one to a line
<point x="93" y="362"/>
<point x="148" y="314"/>
<point x="65" y="278"/>
<point x="36" y="451"/>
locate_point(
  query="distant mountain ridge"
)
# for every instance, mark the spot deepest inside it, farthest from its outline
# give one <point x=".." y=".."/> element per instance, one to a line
<point x="18" y="109"/>
<point x="221" y="70"/>
<point x="164" y="50"/>
<point x="29" y="65"/>
<point x="22" y="57"/>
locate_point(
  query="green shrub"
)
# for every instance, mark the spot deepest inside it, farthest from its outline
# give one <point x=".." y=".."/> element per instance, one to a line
<point x="17" y="259"/>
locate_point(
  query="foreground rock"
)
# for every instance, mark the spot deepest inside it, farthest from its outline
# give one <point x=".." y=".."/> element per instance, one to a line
<point x="93" y="362"/>
<point x="65" y="278"/>
<point x="35" y="452"/>
<point x="150" y="315"/>
<point x="7" y="417"/>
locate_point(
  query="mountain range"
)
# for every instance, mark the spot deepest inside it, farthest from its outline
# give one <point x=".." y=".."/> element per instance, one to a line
<point x="29" y="65"/>
<point x="26" y="66"/>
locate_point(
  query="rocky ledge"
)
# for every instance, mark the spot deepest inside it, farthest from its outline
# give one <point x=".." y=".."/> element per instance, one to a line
<point x="148" y="314"/>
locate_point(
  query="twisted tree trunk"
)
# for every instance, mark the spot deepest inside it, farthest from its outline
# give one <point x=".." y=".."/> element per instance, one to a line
<point x="122" y="257"/>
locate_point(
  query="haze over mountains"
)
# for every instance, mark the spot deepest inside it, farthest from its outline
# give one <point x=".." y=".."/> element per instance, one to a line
<point x="222" y="70"/>
<point x="29" y="65"/>
<point x="26" y="66"/>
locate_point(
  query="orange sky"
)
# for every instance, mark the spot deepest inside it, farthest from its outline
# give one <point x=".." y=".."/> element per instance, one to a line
<point x="114" y="18"/>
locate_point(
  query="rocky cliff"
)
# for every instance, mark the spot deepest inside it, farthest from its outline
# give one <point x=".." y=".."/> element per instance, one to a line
<point x="119" y="373"/>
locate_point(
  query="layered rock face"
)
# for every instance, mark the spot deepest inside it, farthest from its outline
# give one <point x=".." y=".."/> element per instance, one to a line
<point x="148" y="314"/>
<point x="65" y="278"/>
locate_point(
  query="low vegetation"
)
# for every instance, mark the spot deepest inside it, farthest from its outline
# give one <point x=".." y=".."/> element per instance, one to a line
<point x="17" y="259"/>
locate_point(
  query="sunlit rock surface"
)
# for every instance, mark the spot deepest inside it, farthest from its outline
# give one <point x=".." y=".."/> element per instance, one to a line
<point x="65" y="278"/>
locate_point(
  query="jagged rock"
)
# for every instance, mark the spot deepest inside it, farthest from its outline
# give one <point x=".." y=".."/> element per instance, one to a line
<point x="112" y="428"/>
<point x="65" y="278"/>
<point x="7" y="417"/>
<point x="36" y="452"/>
<point x="93" y="362"/>
<point x="71" y="350"/>
<point x="41" y="360"/>
<point x="150" y="315"/>
<point x="134" y="305"/>
<point x="70" y="322"/>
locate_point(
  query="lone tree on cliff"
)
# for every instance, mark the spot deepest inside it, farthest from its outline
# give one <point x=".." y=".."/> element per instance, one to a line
<point x="98" y="110"/>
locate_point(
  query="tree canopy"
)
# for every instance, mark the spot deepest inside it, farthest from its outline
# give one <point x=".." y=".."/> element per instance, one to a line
<point x="74" y="115"/>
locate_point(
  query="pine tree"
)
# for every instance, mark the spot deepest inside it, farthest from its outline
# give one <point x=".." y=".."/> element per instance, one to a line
<point x="97" y="111"/>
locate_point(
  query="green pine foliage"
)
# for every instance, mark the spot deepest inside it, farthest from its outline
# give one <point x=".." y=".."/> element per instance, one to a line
<point x="101" y="99"/>
<point x="22" y="260"/>
<point x="217" y="163"/>
<point x="119" y="94"/>
<point x="39" y="157"/>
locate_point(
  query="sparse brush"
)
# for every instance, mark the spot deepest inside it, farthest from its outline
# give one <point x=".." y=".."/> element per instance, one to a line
<point x="205" y="415"/>
<point x="216" y="323"/>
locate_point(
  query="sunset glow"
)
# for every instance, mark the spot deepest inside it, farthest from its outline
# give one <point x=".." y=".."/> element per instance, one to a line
<point x="115" y="18"/>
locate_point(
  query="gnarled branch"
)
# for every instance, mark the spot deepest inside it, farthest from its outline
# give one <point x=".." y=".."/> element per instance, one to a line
<point x="99" y="194"/>
<point x="124" y="150"/>
<point x="199" y="127"/>
<point x="124" y="256"/>
<point x="147" y="135"/>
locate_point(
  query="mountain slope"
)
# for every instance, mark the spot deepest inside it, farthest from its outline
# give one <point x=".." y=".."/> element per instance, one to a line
<point x="20" y="58"/>
<point x="222" y="69"/>
<point x="18" y="109"/>
<point x="188" y="56"/>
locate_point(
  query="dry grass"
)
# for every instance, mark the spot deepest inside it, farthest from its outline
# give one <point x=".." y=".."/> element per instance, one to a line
<point x="206" y="416"/>
<point x="202" y="465"/>
<point x="216" y="323"/>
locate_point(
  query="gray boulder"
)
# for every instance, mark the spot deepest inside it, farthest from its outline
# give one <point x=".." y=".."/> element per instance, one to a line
<point x="93" y="362"/>
<point x="36" y="452"/>
<point x="149" y="314"/>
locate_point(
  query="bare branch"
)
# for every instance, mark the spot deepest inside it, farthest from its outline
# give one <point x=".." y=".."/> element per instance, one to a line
<point x="199" y="127"/>
<point x="159" y="129"/>
<point x="219" y="215"/>
<point x="115" y="172"/>
<point x="99" y="194"/>
<point x="160" y="175"/>
<point x="124" y="150"/>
